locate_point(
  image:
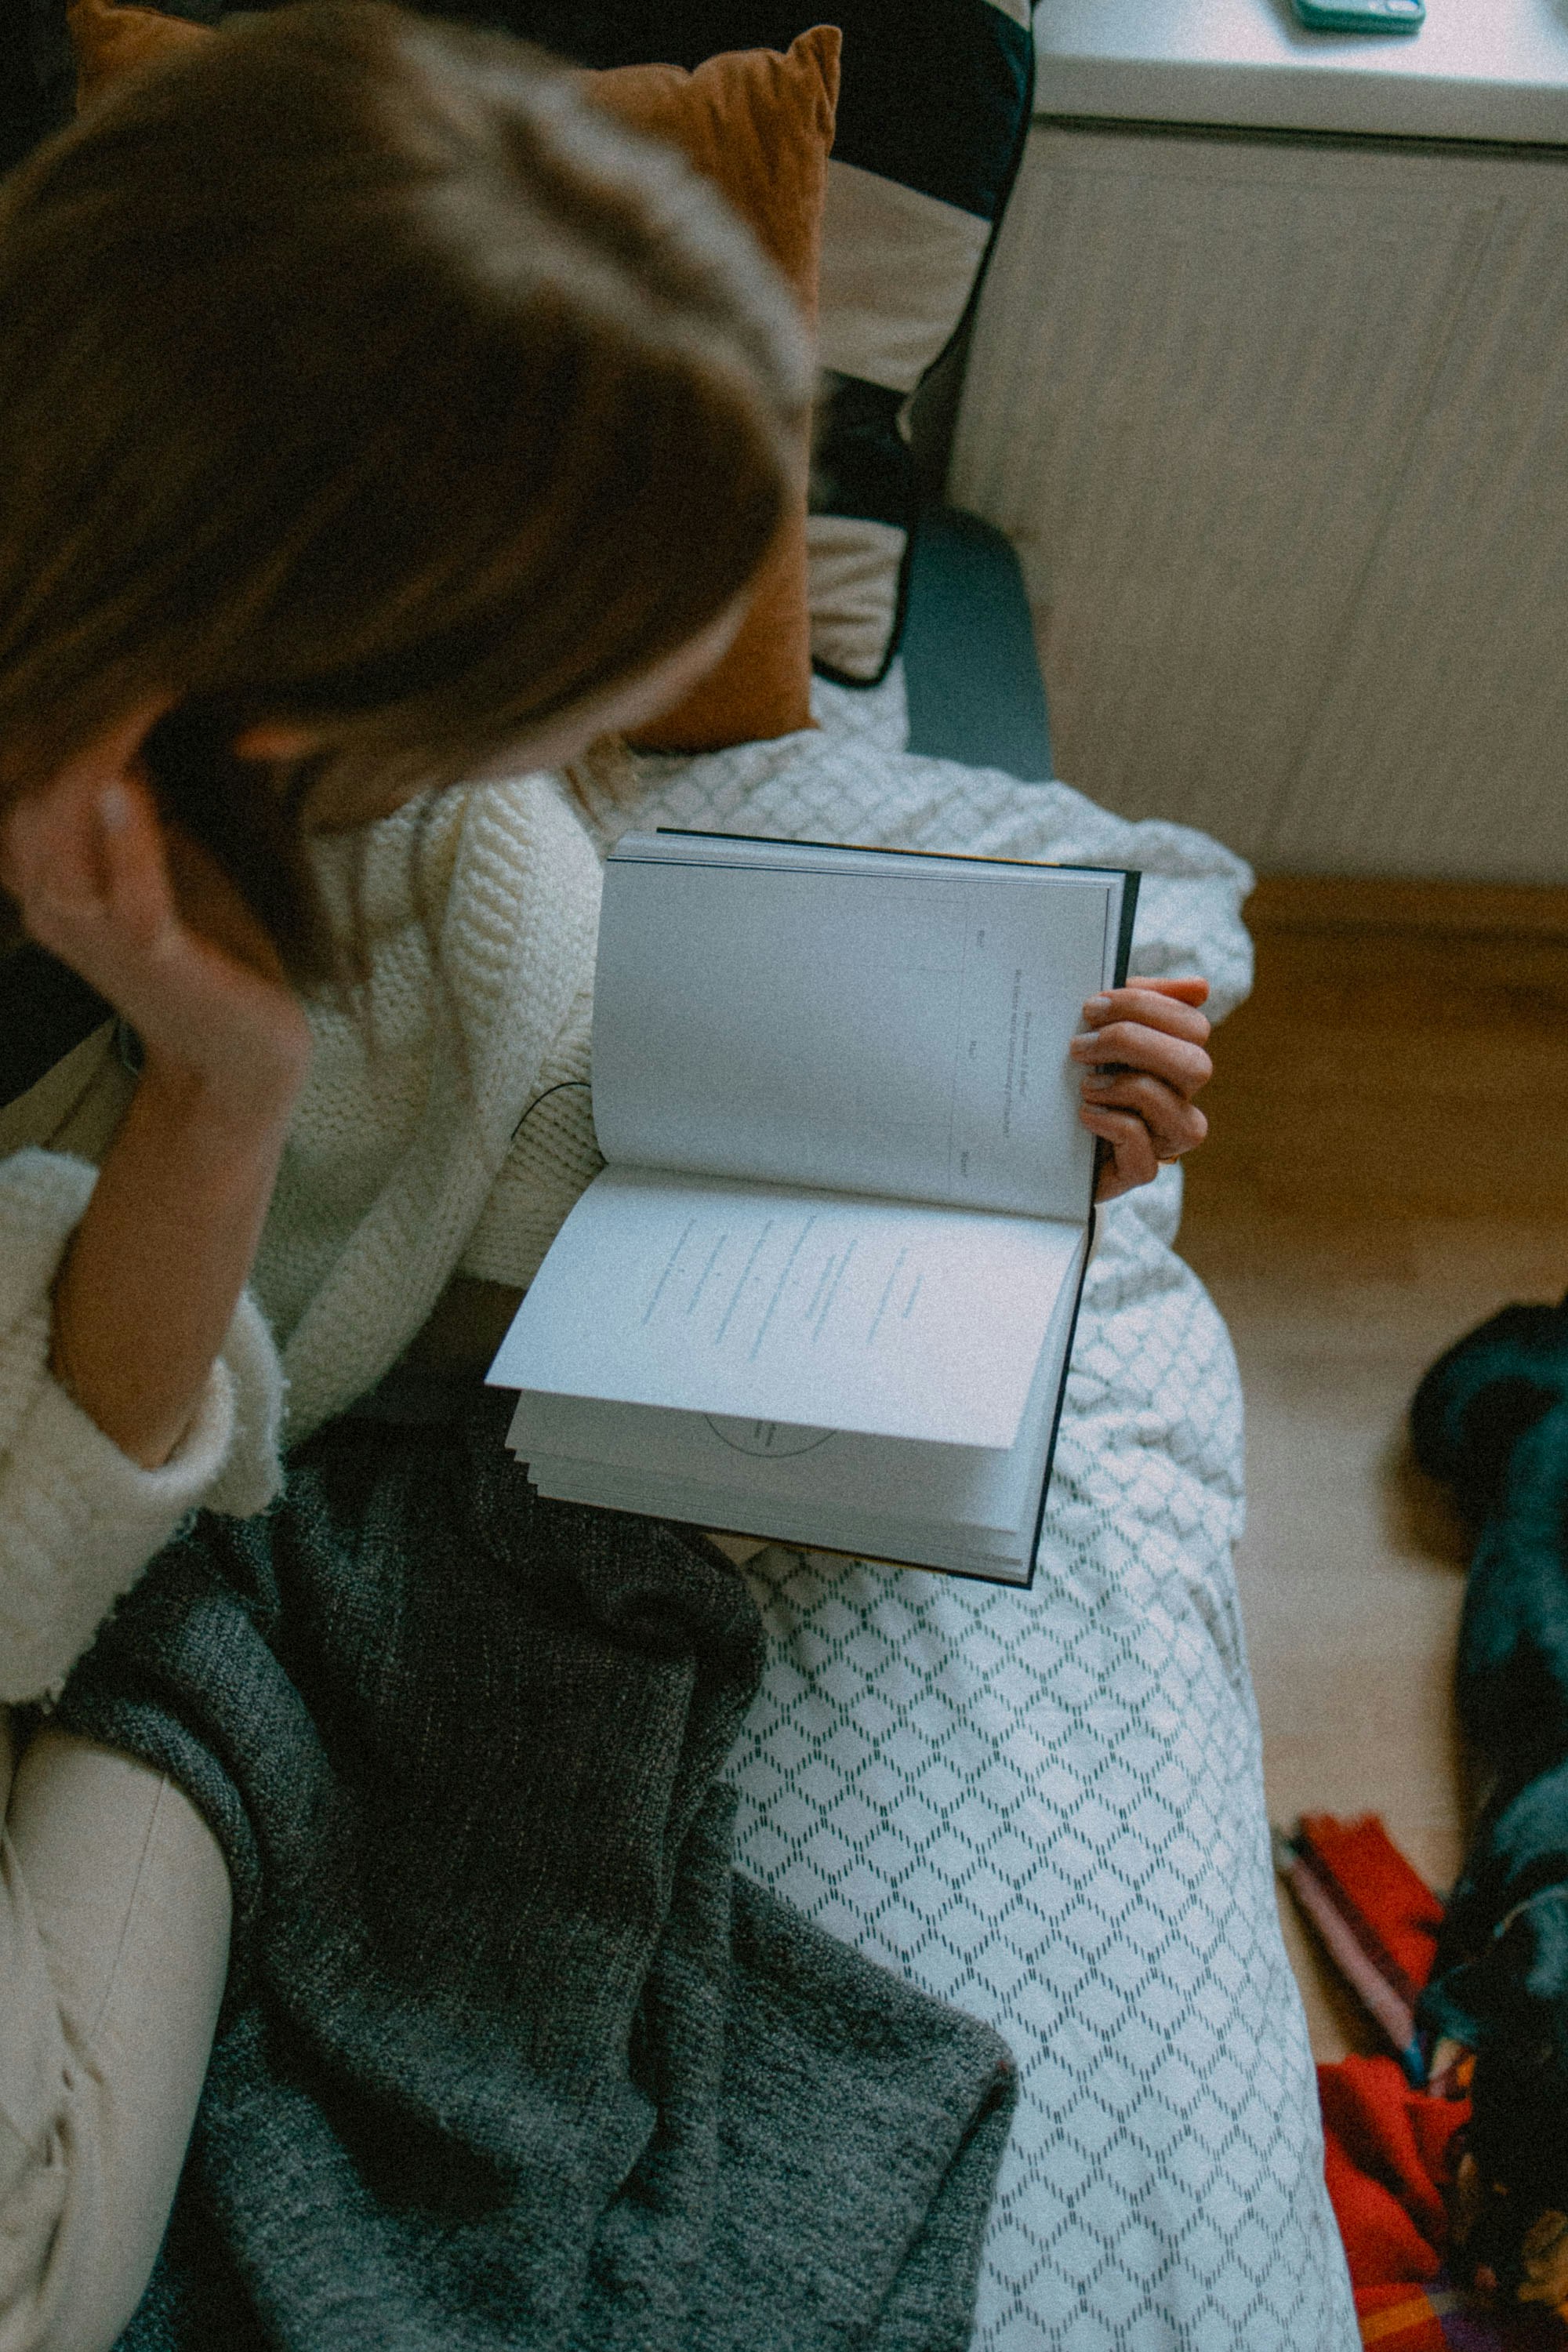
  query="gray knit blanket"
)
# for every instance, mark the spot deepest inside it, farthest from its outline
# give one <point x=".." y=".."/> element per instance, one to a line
<point x="510" y="2055"/>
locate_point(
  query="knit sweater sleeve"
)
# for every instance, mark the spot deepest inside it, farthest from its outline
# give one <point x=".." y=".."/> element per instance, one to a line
<point x="79" y="1519"/>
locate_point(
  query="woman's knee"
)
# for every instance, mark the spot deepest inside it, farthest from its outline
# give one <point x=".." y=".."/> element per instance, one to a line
<point x="70" y="2278"/>
<point x="36" y="2245"/>
<point x="119" y="1914"/>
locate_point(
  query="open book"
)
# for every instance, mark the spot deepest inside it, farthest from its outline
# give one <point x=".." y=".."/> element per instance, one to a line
<point x="824" y="1289"/>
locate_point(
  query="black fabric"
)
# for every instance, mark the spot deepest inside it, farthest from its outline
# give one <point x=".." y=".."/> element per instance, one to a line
<point x="930" y="90"/>
<point x="45" y="1012"/>
<point x="860" y="462"/>
<point x="862" y="467"/>
<point x="952" y="104"/>
<point x="1490" y="1421"/>
<point x="510" y="2055"/>
<point x="37" y="81"/>
<point x="930" y="95"/>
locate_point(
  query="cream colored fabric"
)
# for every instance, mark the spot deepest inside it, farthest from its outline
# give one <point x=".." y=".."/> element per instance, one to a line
<point x="854" y="569"/>
<point x="897" y="267"/>
<point x="79" y="1519"/>
<point x="77" y="1106"/>
<point x="480" y="911"/>
<point x="114" y="1916"/>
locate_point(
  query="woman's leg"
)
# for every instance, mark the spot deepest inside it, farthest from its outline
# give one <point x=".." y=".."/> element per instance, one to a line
<point x="115" y="1917"/>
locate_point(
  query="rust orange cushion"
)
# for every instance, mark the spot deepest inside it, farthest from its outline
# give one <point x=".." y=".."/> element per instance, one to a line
<point x="760" y="126"/>
<point x="110" y="41"/>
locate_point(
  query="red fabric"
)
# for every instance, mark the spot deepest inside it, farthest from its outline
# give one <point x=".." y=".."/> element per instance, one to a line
<point x="1386" y="2147"/>
<point x="1377" y="1882"/>
<point x="1386" y="2151"/>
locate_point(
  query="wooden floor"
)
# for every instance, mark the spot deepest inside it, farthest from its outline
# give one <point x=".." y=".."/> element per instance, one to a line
<point x="1388" y="1164"/>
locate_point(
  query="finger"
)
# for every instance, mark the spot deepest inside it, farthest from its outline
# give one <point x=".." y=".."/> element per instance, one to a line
<point x="95" y="892"/>
<point x="53" y="876"/>
<point x="1188" y="988"/>
<point x="138" y="894"/>
<point x="1132" y="1045"/>
<point x="1151" y="1009"/>
<point x="1132" y="1161"/>
<point x="1175" y="1123"/>
<point x="18" y="828"/>
<point x="1171" y="1132"/>
<point x="51" y="841"/>
<point x="1128" y="1138"/>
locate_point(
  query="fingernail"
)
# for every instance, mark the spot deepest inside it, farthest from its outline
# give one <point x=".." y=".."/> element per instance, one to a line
<point x="113" y="808"/>
<point x="1097" y="1085"/>
<point x="1095" y="1004"/>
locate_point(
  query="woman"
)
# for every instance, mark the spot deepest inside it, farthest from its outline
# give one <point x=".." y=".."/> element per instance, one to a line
<point x="376" y="414"/>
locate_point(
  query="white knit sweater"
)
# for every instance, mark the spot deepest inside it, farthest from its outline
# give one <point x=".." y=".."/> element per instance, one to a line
<point x="404" y="1165"/>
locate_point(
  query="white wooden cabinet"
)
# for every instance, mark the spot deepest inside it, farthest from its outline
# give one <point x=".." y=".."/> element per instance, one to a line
<point x="1279" y="425"/>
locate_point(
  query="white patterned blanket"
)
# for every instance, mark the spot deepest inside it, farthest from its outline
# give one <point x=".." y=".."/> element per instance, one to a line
<point x="1047" y="1807"/>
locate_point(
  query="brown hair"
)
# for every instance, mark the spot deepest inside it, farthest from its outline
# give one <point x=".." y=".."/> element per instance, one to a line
<point x="356" y="371"/>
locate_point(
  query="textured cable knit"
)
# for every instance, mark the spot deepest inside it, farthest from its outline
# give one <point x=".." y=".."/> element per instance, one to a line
<point x="405" y="1162"/>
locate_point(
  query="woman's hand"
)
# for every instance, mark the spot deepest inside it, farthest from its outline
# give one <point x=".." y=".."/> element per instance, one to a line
<point x="1143" y="1051"/>
<point x="148" y="920"/>
<point x="149" y="1281"/>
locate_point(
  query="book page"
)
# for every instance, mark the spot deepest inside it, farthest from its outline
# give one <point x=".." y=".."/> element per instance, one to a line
<point x="851" y="1020"/>
<point x="708" y="1296"/>
<point x="814" y="1526"/>
<point x="816" y="1486"/>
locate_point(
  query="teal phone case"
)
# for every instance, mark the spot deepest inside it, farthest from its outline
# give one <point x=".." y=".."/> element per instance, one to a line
<point x="1362" y="15"/>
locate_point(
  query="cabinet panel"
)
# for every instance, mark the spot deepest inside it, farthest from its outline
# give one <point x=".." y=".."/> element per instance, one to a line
<point x="1442" y="745"/>
<point x="1244" y="406"/>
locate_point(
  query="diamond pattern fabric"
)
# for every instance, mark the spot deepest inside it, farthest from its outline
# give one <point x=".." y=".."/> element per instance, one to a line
<point x="1047" y="1806"/>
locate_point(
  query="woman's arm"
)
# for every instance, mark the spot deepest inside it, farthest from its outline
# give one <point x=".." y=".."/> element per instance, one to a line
<point x="155" y="1270"/>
